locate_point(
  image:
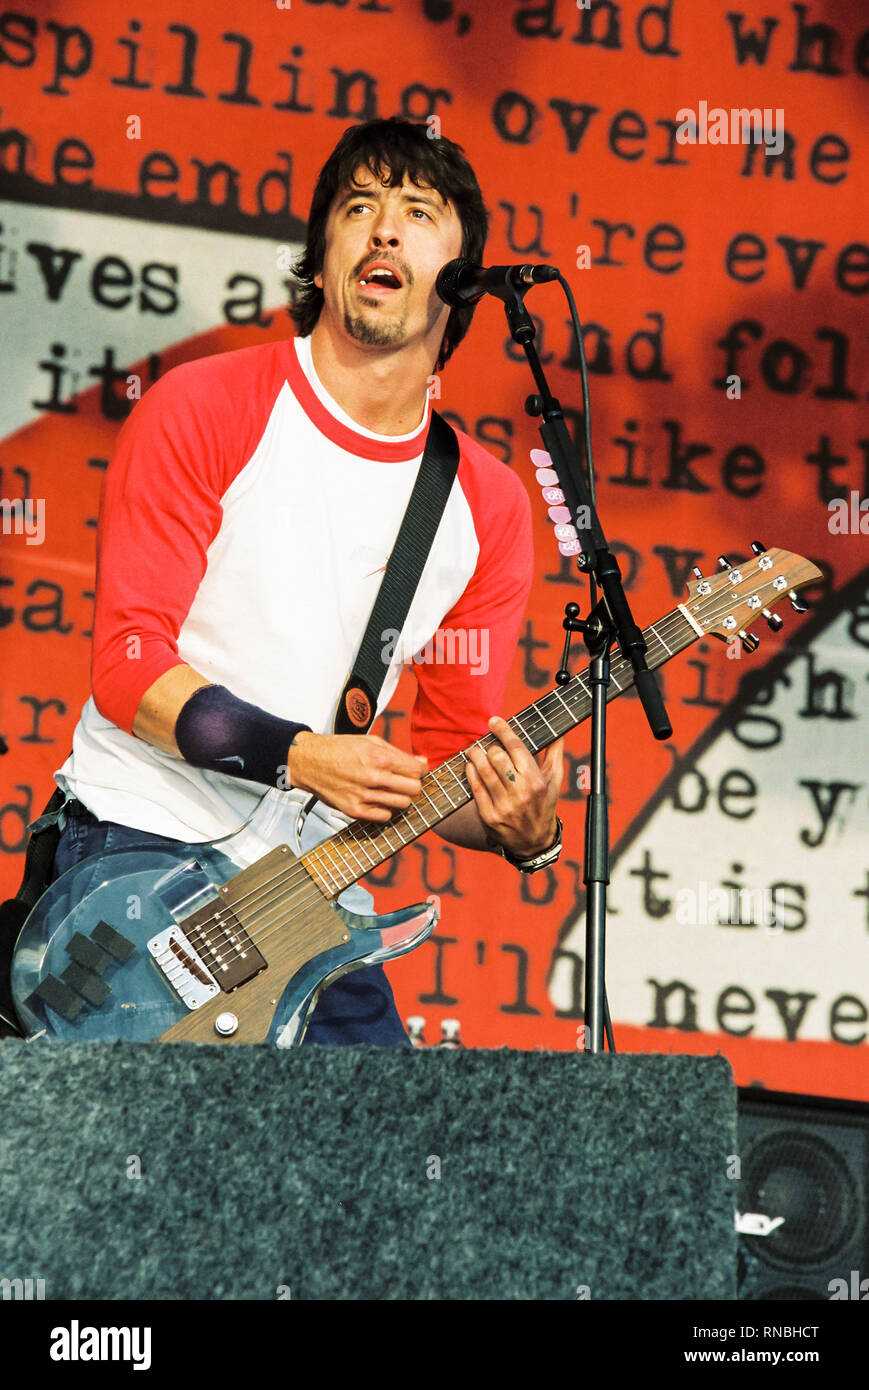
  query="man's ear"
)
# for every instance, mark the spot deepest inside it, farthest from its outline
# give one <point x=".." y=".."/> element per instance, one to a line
<point x="318" y="279"/>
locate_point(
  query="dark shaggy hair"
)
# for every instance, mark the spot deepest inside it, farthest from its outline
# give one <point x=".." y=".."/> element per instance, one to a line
<point x="392" y="149"/>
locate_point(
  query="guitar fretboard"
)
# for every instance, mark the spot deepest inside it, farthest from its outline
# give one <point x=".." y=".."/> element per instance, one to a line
<point x="363" y="845"/>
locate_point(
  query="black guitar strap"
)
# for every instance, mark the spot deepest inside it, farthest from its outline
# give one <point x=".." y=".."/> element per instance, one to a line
<point x="437" y="472"/>
<point x="434" y="481"/>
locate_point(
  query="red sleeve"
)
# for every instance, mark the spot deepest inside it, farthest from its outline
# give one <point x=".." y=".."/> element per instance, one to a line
<point x="160" y="509"/>
<point x="453" y="702"/>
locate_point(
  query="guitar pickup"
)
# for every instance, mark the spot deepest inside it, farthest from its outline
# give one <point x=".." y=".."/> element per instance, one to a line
<point x="221" y="943"/>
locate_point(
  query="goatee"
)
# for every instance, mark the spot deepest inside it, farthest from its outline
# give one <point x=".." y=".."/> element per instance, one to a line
<point x="364" y="330"/>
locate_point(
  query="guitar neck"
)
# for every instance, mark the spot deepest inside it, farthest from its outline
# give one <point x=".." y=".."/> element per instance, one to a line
<point x="362" y="845"/>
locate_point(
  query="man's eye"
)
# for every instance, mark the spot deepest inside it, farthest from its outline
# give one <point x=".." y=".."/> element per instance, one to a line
<point x="422" y="213"/>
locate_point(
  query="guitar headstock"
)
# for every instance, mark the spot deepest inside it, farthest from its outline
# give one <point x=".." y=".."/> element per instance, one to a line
<point x="725" y="604"/>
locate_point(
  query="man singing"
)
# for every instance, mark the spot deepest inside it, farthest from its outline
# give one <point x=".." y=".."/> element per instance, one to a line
<point x="247" y="518"/>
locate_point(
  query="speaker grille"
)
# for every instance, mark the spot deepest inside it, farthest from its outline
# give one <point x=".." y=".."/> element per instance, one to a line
<point x="806" y="1160"/>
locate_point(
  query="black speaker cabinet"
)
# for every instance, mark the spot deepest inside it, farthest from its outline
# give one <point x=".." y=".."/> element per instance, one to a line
<point x="804" y="1159"/>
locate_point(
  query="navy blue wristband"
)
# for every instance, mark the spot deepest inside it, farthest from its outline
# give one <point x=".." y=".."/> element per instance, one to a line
<point x="220" y="733"/>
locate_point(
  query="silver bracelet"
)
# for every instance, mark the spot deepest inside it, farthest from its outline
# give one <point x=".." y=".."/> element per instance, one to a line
<point x="531" y="864"/>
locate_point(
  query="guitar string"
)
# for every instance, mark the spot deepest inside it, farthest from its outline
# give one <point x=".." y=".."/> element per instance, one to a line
<point x="284" y="886"/>
<point x="298" y="878"/>
<point x="283" y="891"/>
<point x="305" y="883"/>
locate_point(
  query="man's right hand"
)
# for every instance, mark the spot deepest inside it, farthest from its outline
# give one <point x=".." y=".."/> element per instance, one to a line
<point x="359" y="774"/>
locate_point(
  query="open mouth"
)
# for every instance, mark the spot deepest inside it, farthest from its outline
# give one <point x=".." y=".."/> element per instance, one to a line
<point x="381" y="279"/>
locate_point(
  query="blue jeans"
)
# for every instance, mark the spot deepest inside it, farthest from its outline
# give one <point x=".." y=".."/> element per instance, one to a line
<point x="358" y="1008"/>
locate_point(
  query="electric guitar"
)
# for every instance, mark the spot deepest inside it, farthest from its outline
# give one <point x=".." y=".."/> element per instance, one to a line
<point x="201" y="942"/>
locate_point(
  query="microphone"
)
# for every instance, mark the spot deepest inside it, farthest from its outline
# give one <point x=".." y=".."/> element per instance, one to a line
<point x="462" y="282"/>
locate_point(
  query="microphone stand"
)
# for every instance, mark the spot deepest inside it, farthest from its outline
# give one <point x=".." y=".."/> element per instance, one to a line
<point x="610" y="619"/>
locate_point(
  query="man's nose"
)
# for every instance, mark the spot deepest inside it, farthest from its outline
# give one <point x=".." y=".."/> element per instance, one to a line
<point x="385" y="231"/>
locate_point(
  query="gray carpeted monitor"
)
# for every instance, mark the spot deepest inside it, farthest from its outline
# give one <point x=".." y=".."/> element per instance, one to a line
<point x="137" y="1171"/>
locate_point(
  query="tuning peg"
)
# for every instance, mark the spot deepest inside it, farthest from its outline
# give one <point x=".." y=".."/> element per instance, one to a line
<point x="758" y="547"/>
<point x="797" y="603"/>
<point x="750" y="643"/>
<point x="724" y="562"/>
<point x="697" y="573"/>
<point x="775" y="622"/>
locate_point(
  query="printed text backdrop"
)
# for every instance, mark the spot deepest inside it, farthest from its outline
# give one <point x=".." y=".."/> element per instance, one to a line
<point x="157" y="165"/>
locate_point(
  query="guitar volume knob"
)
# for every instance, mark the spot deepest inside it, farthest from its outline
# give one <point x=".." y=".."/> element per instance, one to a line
<point x="225" y="1025"/>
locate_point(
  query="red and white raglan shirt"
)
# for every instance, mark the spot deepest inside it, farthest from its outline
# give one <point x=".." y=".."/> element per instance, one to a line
<point x="245" y="525"/>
